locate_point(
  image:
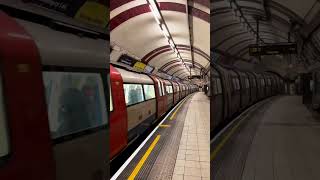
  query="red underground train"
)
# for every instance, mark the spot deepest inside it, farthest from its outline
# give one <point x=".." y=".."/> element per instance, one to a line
<point x="138" y="100"/>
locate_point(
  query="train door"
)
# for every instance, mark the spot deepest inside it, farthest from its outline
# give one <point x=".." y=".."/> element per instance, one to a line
<point x="25" y="144"/>
<point x="169" y="90"/>
<point x="159" y="96"/>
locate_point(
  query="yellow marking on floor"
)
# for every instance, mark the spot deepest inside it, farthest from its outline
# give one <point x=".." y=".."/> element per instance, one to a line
<point x="175" y="112"/>
<point x="222" y="143"/>
<point x="164" y="126"/>
<point x="143" y="159"/>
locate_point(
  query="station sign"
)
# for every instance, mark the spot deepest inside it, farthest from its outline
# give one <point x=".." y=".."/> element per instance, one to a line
<point x="138" y="65"/>
<point x="125" y="59"/>
<point x="273" y="49"/>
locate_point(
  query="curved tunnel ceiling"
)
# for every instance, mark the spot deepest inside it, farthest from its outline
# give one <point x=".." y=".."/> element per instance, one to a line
<point x="134" y="29"/>
<point x="231" y="35"/>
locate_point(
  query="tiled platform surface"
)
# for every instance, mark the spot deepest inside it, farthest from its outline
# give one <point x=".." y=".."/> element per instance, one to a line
<point x="286" y="145"/>
<point x="193" y="159"/>
<point x="277" y="141"/>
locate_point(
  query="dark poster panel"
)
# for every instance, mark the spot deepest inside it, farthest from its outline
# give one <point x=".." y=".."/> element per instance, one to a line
<point x="93" y="12"/>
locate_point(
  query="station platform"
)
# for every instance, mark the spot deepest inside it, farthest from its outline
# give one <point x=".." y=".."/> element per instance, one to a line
<point x="178" y="148"/>
<point x="277" y="139"/>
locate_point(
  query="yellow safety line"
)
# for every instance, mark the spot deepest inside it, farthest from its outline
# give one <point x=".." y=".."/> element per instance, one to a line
<point x="224" y="140"/>
<point x="143" y="159"/>
<point x="164" y="126"/>
<point x="175" y="112"/>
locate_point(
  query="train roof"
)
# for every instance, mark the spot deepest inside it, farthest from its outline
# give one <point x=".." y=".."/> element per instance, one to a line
<point x="132" y="77"/>
<point x="66" y="49"/>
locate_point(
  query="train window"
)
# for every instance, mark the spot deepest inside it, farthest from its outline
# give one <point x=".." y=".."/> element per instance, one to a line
<point x="178" y="88"/>
<point x="76" y="102"/>
<point x="149" y="91"/>
<point x="169" y="89"/>
<point x="4" y="138"/>
<point x="262" y="82"/>
<point x="133" y="93"/>
<point x="237" y="83"/>
<point x="254" y="83"/>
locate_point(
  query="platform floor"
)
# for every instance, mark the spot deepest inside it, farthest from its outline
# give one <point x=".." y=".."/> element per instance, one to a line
<point x="178" y="149"/>
<point x="279" y="140"/>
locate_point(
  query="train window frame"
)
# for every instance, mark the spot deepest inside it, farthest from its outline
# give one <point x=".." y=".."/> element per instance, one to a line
<point x="103" y="74"/>
<point x="5" y="148"/>
<point x="144" y="92"/>
<point x="170" y="88"/>
<point x="144" y="99"/>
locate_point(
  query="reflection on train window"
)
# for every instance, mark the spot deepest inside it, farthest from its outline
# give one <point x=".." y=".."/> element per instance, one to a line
<point x="4" y="139"/>
<point x="76" y="102"/>
<point x="169" y="89"/>
<point x="159" y="87"/>
<point x="133" y="93"/>
<point x="111" y="103"/>
<point x="149" y="91"/>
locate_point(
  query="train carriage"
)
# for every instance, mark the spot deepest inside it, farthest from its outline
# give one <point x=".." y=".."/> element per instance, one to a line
<point x="234" y="90"/>
<point x="61" y="101"/>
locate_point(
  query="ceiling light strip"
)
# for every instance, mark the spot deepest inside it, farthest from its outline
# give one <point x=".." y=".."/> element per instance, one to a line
<point x="164" y="28"/>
